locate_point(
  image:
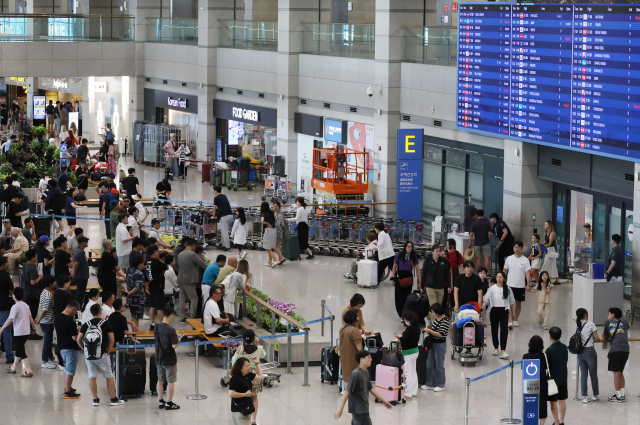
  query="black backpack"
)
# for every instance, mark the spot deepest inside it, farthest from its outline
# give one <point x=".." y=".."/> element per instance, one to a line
<point x="576" y="346"/>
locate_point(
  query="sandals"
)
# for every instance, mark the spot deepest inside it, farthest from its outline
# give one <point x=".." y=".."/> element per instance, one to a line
<point x="13" y="372"/>
<point x="27" y="375"/>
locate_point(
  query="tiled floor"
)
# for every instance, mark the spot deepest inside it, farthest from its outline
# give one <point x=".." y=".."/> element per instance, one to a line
<point x="39" y="400"/>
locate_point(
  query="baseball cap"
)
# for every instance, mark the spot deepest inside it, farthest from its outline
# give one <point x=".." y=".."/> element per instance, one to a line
<point x="114" y="203"/>
<point x="155" y="220"/>
<point x="82" y="239"/>
<point x="115" y="191"/>
<point x="135" y="198"/>
<point x="44" y="238"/>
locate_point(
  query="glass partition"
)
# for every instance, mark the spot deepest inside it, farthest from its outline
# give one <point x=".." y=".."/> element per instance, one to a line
<point x="66" y="28"/>
<point x="353" y="41"/>
<point x="249" y="35"/>
<point x="172" y="31"/>
<point x="431" y="45"/>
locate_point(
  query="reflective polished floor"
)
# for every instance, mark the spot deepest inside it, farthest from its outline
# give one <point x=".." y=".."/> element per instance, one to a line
<point x="39" y="401"/>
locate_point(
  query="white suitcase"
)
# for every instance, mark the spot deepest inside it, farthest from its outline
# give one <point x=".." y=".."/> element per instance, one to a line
<point x="367" y="273"/>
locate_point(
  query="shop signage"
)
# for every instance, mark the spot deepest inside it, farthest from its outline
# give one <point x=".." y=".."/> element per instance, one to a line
<point x="409" y="175"/>
<point x="59" y="83"/>
<point x="100" y="86"/>
<point x="176" y="101"/>
<point x="251" y="114"/>
<point x="335" y="131"/>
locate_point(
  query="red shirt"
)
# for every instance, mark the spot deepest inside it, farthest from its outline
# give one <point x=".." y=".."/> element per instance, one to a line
<point x="455" y="260"/>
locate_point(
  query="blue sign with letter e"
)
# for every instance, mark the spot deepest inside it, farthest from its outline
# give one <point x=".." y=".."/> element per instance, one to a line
<point x="409" y="175"/>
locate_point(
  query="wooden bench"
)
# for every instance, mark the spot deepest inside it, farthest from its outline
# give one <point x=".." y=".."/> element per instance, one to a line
<point x="89" y="287"/>
<point x="185" y="332"/>
<point x="197" y="325"/>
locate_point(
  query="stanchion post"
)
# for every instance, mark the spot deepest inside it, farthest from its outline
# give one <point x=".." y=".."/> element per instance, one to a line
<point x="510" y="419"/>
<point x="576" y="396"/>
<point x="306" y="359"/>
<point x="118" y="372"/>
<point x="289" y="348"/>
<point x="258" y="314"/>
<point x="273" y="332"/>
<point x="197" y="395"/>
<point x="467" y="384"/>
<point x="322" y="317"/>
<point x="333" y="318"/>
<point x="244" y="305"/>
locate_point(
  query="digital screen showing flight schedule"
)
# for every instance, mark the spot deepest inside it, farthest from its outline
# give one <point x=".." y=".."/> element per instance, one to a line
<point x="565" y="75"/>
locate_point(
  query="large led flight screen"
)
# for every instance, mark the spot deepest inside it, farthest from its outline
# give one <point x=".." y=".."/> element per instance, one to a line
<point x="565" y="75"/>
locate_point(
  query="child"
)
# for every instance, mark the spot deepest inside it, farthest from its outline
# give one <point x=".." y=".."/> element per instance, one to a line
<point x="239" y="233"/>
<point x="482" y="273"/>
<point x="135" y="289"/>
<point x="372" y="241"/>
<point x="544" y="301"/>
<point x="535" y="256"/>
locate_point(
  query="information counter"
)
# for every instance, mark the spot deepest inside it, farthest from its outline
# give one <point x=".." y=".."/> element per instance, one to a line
<point x="597" y="296"/>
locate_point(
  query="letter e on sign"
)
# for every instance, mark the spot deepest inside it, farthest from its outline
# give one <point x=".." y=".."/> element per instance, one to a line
<point x="408" y="144"/>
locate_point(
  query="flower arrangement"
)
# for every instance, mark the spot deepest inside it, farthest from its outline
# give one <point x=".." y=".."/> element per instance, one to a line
<point x="265" y="317"/>
<point x="286" y="308"/>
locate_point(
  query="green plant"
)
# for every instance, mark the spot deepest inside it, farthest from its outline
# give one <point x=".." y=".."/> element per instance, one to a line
<point x="6" y="169"/>
<point x="72" y="177"/>
<point x="265" y="317"/>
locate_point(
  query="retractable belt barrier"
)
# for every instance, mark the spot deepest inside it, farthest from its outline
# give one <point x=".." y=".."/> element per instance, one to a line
<point x="68" y="217"/>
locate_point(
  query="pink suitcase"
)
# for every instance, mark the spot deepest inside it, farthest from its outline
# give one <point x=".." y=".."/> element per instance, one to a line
<point x="390" y="383"/>
<point x="469" y="334"/>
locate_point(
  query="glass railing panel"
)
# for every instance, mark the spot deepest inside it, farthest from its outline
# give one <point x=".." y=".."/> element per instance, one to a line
<point x="66" y="28"/>
<point x="346" y="40"/>
<point x="431" y="45"/>
<point x="172" y="31"/>
<point x="249" y="35"/>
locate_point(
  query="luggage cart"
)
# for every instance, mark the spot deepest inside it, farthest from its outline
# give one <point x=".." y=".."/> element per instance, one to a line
<point x="269" y="377"/>
<point x="465" y="351"/>
<point x="270" y="187"/>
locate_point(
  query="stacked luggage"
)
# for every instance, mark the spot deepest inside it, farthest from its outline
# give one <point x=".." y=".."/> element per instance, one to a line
<point x="468" y="335"/>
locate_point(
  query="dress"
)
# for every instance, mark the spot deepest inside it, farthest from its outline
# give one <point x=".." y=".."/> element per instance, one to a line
<point x="550" y="264"/>
<point x="22" y="245"/>
<point x="112" y="167"/>
<point x="349" y="336"/>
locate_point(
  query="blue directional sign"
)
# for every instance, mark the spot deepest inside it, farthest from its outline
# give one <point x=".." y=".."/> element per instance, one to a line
<point x="530" y="391"/>
<point x="63" y="147"/>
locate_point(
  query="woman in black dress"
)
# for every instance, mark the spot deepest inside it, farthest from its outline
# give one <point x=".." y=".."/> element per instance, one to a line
<point x="83" y="174"/>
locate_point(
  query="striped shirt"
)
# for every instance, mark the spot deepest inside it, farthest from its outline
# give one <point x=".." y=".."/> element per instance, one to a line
<point x="46" y="303"/>
<point x="441" y="326"/>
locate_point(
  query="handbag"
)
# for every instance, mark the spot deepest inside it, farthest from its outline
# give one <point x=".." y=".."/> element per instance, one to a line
<point x="392" y="356"/>
<point x="552" y="254"/>
<point x="245" y="405"/>
<point x="552" y="388"/>
<point x="406" y="282"/>
<point x="427" y="342"/>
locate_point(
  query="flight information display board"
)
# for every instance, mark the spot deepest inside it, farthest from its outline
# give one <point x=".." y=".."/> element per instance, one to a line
<point x="565" y="75"/>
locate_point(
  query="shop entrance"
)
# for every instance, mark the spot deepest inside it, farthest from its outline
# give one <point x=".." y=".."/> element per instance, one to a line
<point x="606" y="216"/>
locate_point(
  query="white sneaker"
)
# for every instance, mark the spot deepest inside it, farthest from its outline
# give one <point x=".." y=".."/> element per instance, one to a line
<point x="546" y="328"/>
<point x="495" y="353"/>
<point x="424" y="387"/>
<point x="595" y="398"/>
<point x="60" y="367"/>
<point x="53" y="362"/>
<point x="407" y="396"/>
<point x="515" y="323"/>
<point x="510" y="326"/>
<point x="438" y="389"/>
<point x="585" y="400"/>
<point x="348" y="276"/>
<point x="145" y="317"/>
<point x="47" y="365"/>
<point x="504" y="355"/>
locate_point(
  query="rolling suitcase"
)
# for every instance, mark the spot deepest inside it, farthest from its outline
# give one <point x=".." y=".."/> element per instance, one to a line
<point x="330" y="365"/>
<point x="291" y="248"/>
<point x="367" y="275"/>
<point x="376" y="356"/>
<point x="132" y="376"/>
<point x="419" y="304"/>
<point x="389" y="383"/>
<point x="206" y="170"/>
<point x="460" y="337"/>
<point x="153" y="377"/>
<point x="421" y="364"/>
<point x="168" y="173"/>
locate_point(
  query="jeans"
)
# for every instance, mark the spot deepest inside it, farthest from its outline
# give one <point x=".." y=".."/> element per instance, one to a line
<point x="588" y="361"/>
<point x="225" y="222"/>
<point x="6" y="335"/>
<point x="47" y="351"/>
<point x="435" y="365"/>
<point x="411" y="374"/>
<point x="57" y="125"/>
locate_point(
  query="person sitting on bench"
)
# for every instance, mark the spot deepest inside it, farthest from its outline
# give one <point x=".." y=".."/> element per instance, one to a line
<point x="214" y="324"/>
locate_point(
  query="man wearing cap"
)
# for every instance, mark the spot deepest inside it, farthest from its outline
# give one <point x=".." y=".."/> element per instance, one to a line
<point x="154" y="232"/>
<point x="130" y="184"/>
<point x="80" y="271"/>
<point x="107" y="205"/>
<point x="7" y="238"/>
<point x="44" y="256"/>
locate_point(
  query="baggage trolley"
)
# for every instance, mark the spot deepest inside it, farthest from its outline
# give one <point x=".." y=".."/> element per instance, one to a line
<point x="269" y="377"/>
<point x="270" y="187"/>
<point x="464" y="349"/>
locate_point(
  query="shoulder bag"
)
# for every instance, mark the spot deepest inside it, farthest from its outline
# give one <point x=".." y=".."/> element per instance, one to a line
<point x="615" y="332"/>
<point x="552" y="388"/>
<point x="245" y="405"/>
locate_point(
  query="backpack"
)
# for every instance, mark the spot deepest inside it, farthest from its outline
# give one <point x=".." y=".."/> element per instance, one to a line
<point x="543" y="250"/>
<point x="108" y="135"/>
<point x="92" y="341"/>
<point x="575" y="342"/>
<point x="116" y="153"/>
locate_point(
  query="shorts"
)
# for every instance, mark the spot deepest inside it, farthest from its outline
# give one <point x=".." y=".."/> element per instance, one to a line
<point x="157" y="300"/>
<point x="518" y="293"/>
<point x="617" y="360"/>
<point x="483" y="251"/>
<point x="123" y="261"/>
<point x="360" y="419"/>
<point x="137" y="311"/>
<point x="536" y="263"/>
<point x="71" y="221"/>
<point x="103" y="365"/>
<point x="563" y="394"/>
<point x="70" y="358"/>
<point x="167" y="373"/>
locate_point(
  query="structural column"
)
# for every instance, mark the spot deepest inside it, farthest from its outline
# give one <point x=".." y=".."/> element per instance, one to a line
<point x="635" y="281"/>
<point x="524" y="193"/>
<point x="391" y="16"/>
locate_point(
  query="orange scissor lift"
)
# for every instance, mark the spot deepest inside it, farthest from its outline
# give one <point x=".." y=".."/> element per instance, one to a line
<point x="341" y="174"/>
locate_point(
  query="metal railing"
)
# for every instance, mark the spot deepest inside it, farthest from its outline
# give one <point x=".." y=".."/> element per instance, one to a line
<point x="431" y="45"/>
<point x="172" y="31"/>
<point x="249" y="35"/>
<point x="345" y="40"/>
<point x="66" y="28"/>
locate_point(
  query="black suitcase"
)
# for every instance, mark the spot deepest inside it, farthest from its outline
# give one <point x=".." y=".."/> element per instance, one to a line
<point x="168" y="173"/>
<point x="419" y="304"/>
<point x="421" y="364"/>
<point x="376" y="356"/>
<point x="96" y="177"/>
<point x="41" y="225"/>
<point x="153" y="377"/>
<point x="330" y="365"/>
<point x="132" y="375"/>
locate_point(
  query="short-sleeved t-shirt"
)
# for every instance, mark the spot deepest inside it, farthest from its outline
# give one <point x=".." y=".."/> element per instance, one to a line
<point x="119" y="324"/>
<point x="105" y="184"/>
<point x="588" y="328"/>
<point x="162" y="187"/>
<point x="359" y="385"/>
<point x="405" y="264"/>
<point x="12" y="210"/>
<point x="30" y="273"/>
<point x="129" y="184"/>
<point x="20" y="315"/>
<point x="106" y="273"/>
<point x="240" y="384"/>
<point x="67" y="330"/>
<point x="615" y="255"/>
<point x="69" y="209"/>
<point x="44" y="254"/>
<point x="62" y="181"/>
<point x="60" y="300"/>
<point x="269" y="218"/>
<point x="155" y="275"/>
<point x="211" y="274"/>
<point x="6" y="286"/>
<point x="165" y="337"/>
<point x="105" y="327"/>
<point x="28" y="236"/>
<point x="62" y="259"/>
<point x="518" y="268"/>
<point x="621" y="340"/>
<point x="81" y="258"/>
<point x="211" y="312"/>
<point x="222" y="203"/>
<point x="498" y="229"/>
<point x="468" y="288"/>
<point x="481" y="228"/>
<point x="50" y="109"/>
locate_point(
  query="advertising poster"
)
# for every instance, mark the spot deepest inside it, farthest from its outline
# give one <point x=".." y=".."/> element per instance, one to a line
<point x="236" y="132"/>
<point x="39" y="105"/>
<point x="73" y="117"/>
<point x="409" y="175"/>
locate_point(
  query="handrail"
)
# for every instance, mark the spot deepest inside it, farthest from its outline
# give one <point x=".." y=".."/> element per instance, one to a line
<point x="63" y="15"/>
<point x="240" y="20"/>
<point x="277" y="312"/>
<point x="337" y="23"/>
<point x="606" y="341"/>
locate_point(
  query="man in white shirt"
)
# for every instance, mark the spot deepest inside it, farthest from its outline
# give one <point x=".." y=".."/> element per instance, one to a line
<point x="385" y="250"/>
<point x="107" y="307"/>
<point x="154" y="232"/>
<point x="133" y="221"/>
<point x="72" y="242"/>
<point x="143" y="212"/>
<point x="123" y="242"/>
<point x="214" y="324"/>
<point x="518" y="271"/>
